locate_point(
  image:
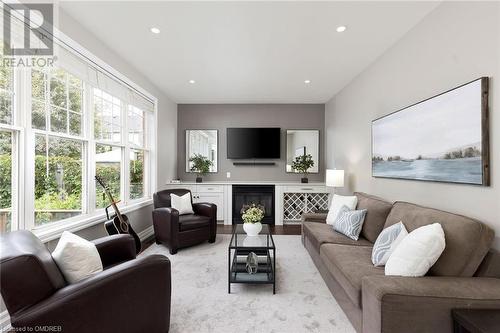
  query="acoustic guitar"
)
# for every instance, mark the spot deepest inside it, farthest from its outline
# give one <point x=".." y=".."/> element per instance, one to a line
<point x="119" y="223"/>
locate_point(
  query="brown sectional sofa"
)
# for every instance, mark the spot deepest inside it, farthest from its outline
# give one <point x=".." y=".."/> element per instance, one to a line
<point x="467" y="275"/>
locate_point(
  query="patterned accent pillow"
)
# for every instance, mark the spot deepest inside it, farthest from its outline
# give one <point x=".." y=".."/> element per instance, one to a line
<point x="386" y="242"/>
<point x="349" y="222"/>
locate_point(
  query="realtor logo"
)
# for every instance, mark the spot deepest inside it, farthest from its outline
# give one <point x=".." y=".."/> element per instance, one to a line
<point x="25" y="25"/>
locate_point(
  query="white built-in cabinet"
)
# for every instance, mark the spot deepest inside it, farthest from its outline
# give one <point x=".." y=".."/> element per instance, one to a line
<point x="206" y="193"/>
<point x="291" y="199"/>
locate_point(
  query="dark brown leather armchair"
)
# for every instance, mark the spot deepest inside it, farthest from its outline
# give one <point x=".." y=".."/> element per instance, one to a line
<point x="130" y="295"/>
<point x="178" y="231"/>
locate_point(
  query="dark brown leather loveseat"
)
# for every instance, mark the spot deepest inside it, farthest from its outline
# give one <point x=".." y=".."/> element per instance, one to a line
<point x="178" y="231"/>
<point x="467" y="275"/>
<point x="131" y="295"/>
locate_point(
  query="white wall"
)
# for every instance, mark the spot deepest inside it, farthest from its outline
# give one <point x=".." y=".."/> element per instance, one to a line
<point x="454" y="44"/>
<point x="166" y="144"/>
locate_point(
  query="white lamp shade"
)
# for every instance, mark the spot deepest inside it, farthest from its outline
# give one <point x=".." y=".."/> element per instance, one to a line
<point x="335" y="178"/>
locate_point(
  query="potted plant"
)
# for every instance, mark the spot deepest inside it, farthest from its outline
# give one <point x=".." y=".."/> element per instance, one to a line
<point x="201" y="165"/>
<point x="252" y="215"/>
<point x="302" y="164"/>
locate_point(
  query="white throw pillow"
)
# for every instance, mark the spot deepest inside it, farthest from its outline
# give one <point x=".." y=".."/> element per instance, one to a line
<point x="182" y="203"/>
<point x="76" y="257"/>
<point x="387" y="242"/>
<point x="338" y="202"/>
<point x="417" y="252"/>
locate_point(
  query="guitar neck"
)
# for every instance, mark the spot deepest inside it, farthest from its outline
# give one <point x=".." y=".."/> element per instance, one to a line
<point x="115" y="207"/>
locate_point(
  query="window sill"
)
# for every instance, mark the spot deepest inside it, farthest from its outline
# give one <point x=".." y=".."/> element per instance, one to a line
<point x="49" y="232"/>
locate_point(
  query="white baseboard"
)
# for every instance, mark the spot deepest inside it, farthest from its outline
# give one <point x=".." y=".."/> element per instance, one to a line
<point x="146" y="233"/>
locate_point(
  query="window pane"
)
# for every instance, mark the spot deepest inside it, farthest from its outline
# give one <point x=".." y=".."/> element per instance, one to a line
<point x="107" y="117"/>
<point x="75" y="98"/>
<point x="136" y="174"/>
<point x="38" y="85"/>
<point x="64" y="117"/>
<point x="58" y="179"/>
<point x="6" y="77"/>
<point x="5" y="107"/>
<point x="58" y="120"/>
<point x="58" y="93"/>
<point x="75" y="123"/>
<point x="38" y="115"/>
<point x="108" y="168"/>
<point x="5" y="181"/>
<point x="6" y="93"/>
<point x="135" y="126"/>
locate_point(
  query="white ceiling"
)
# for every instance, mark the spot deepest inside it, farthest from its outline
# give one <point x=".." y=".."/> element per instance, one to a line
<point x="249" y="52"/>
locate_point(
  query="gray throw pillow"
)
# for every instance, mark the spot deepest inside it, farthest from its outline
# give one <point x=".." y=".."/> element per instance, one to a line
<point x="349" y="222"/>
<point x="386" y="242"/>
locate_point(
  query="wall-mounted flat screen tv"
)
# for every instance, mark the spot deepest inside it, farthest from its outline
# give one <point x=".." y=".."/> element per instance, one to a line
<point x="250" y="143"/>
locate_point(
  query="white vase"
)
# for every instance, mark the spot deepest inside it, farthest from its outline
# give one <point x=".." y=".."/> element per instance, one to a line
<point x="252" y="229"/>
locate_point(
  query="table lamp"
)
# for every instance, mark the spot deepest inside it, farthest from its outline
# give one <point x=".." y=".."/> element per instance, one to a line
<point x="334" y="178"/>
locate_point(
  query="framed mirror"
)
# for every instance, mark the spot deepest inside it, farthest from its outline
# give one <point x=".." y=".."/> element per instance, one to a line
<point x="301" y="142"/>
<point x="204" y="143"/>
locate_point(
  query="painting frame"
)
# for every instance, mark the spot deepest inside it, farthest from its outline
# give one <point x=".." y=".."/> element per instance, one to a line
<point x="484" y="127"/>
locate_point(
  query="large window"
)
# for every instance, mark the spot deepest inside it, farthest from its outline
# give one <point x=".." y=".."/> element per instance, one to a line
<point x="59" y="127"/>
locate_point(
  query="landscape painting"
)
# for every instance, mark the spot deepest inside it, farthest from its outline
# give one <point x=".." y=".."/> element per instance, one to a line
<point x="444" y="138"/>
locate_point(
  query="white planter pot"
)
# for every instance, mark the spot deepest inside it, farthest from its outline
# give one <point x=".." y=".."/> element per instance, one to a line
<point x="252" y="229"/>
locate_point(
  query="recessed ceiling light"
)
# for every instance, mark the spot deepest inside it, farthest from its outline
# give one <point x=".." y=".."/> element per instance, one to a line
<point x="192" y="81"/>
<point x="155" y="30"/>
<point x="307" y="81"/>
<point x="341" y="28"/>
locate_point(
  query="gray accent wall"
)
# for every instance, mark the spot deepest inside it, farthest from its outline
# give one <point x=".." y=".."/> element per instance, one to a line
<point x="222" y="116"/>
<point x="438" y="54"/>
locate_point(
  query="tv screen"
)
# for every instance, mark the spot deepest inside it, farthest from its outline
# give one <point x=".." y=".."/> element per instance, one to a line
<point x="253" y="143"/>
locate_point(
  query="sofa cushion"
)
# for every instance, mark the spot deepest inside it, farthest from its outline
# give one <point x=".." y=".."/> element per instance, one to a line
<point x="377" y="212"/>
<point x="314" y="217"/>
<point x="319" y="233"/>
<point x="467" y="240"/>
<point x="348" y="265"/>
<point x="190" y="222"/>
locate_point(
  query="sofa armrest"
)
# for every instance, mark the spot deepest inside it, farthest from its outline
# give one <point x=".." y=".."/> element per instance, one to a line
<point x="166" y="225"/>
<point x="208" y="210"/>
<point x="115" y="249"/>
<point x="111" y="301"/>
<point x="404" y="304"/>
<point x="314" y="217"/>
<point x="205" y="209"/>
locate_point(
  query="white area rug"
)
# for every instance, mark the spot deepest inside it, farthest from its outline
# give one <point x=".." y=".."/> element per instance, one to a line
<point x="200" y="302"/>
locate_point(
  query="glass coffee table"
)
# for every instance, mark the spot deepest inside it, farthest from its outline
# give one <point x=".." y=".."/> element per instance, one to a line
<point x="262" y="265"/>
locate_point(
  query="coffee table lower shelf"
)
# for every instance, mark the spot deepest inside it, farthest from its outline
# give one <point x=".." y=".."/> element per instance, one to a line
<point x="238" y="273"/>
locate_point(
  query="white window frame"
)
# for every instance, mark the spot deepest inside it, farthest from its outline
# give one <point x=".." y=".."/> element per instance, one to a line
<point x="17" y="160"/>
<point x="23" y="164"/>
